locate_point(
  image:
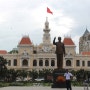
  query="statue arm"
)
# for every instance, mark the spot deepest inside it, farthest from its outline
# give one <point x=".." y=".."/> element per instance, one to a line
<point x="54" y="41"/>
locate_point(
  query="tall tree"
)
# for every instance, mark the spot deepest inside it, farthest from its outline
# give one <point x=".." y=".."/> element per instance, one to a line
<point x="3" y="68"/>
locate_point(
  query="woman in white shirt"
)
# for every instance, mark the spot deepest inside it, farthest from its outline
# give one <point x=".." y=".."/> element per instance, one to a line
<point x="68" y="77"/>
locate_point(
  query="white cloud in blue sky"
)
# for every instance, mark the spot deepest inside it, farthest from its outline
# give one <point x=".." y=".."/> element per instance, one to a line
<point x="27" y="17"/>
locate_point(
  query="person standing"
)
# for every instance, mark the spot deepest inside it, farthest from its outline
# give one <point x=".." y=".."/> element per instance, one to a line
<point x="68" y="77"/>
<point x="60" y="50"/>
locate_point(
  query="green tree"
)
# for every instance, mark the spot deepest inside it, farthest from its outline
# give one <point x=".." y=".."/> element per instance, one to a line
<point x="11" y="75"/>
<point x="81" y="75"/>
<point x="22" y="74"/>
<point x="3" y="68"/>
<point x="47" y="72"/>
<point x="41" y="73"/>
<point x="13" y="51"/>
<point x="33" y="74"/>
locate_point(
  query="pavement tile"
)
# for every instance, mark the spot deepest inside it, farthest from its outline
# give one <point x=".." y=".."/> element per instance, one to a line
<point x="38" y="88"/>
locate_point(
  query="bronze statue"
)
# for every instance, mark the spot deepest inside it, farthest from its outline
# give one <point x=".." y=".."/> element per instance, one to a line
<point x="60" y="51"/>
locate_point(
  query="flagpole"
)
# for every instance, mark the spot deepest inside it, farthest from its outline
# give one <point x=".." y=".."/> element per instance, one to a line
<point x="46" y="14"/>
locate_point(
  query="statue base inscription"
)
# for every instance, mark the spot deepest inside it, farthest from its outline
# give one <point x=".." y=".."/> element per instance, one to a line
<point x="59" y="79"/>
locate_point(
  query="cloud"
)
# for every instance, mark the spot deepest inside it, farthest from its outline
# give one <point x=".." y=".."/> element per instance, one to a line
<point x="19" y="17"/>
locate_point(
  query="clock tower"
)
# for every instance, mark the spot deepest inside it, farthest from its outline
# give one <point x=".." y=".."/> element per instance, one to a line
<point x="46" y="35"/>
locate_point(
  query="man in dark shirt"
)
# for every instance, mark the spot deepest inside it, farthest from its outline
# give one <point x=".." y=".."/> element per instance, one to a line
<point x="60" y="50"/>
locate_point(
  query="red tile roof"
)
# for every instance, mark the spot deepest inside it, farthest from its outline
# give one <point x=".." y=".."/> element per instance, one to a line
<point x="3" y="52"/>
<point x="25" y="40"/>
<point x="68" y="41"/>
<point x="85" y="53"/>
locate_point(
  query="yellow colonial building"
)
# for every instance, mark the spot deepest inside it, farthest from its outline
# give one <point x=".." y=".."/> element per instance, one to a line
<point x="28" y="56"/>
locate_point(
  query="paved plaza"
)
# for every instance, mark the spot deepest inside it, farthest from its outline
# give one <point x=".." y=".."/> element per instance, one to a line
<point x="38" y="88"/>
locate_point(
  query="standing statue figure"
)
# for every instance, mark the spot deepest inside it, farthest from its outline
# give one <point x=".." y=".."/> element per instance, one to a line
<point x="60" y="51"/>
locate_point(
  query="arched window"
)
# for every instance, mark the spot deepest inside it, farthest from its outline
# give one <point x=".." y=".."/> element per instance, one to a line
<point x="52" y="63"/>
<point x="40" y="63"/>
<point x="34" y="63"/>
<point x="88" y="63"/>
<point x="68" y="63"/>
<point x="46" y="63"/>
<point x="88" y="37"/>
<point x="83" y="63"/>
<point x="25" y="62"/>
<point x="77" y="62"/>
<point x="34" y="51"/>
<point x="9" y="62"/>
<point x="15" y="62"/>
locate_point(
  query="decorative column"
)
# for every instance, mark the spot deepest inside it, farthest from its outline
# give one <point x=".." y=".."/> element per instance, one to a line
<point x="29" y="62"/>
<point x="20" y="62"/>
<point x="11" y="62"/>
<point x="49" y="62"/>
<point x="37" y="62"/>
<point x="64" y="63"/>
<point x="80" y="63"/>
<point x="43" y="62"/>
<point x="55" y="63"/>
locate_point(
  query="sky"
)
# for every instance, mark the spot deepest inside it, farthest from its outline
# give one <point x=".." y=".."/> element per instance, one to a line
<point x="27" y="17"/>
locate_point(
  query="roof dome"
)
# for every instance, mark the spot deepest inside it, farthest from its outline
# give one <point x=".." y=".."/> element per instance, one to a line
<point x="25" y="40"/>
<point x="68" y="41"/>
<point x="3" y="52"/>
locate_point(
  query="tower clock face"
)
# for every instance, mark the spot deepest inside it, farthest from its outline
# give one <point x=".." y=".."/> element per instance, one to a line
<point x="46" y="48"/>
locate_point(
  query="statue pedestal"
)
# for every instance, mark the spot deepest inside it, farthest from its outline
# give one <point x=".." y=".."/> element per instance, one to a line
<point x="59" y="79"/>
